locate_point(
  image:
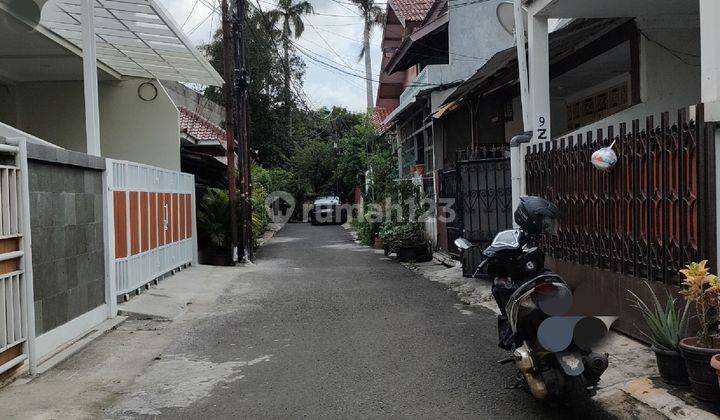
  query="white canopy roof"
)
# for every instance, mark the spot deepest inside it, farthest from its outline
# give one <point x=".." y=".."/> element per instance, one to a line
<point x="135" y="38"/>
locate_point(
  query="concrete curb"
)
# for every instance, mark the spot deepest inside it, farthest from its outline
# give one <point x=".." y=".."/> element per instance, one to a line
<point x="673" y="407"/>
<point x="273" y="229"/>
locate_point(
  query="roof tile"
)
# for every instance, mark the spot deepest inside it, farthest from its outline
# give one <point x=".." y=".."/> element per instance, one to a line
<point x="199" y="127"/>
<point x="411" y="10"/>
<point x="377" y="118"/>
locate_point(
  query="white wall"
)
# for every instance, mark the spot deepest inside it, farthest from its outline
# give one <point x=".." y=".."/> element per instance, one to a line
<point x="474" y="36"/>
<point x="52" y="111"/>
<point x="135" y="130"/>
<point x="130" y="128"/>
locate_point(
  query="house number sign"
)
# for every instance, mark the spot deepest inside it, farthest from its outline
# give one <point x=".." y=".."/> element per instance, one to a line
<point x="541" y="131"/>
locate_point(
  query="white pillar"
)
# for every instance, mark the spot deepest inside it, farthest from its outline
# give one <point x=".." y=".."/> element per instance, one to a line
<point x="710" y="58"/>
<point x="517" y="163"/>
<point x="520" y="41"/>
<point x="539" y="77"/>
<point x="26" y="247"/>
<point x="92" y="107"/>
<point x="109" y="238"/>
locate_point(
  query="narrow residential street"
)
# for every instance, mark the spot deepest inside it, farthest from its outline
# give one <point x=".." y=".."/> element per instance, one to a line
<point x="319" y="327"/>
<point x="347" y="333"/>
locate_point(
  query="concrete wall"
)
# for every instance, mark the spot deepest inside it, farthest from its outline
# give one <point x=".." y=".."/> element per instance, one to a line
<point x="185" y="97"/>
<point x="474" y="36"/>
<point x="7" y="104"/>
<point x="130" y="128"/>
<point x="66" y="212"/>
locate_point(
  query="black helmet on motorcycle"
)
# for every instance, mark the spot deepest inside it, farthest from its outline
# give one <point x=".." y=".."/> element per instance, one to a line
<point x="535" y="215"/>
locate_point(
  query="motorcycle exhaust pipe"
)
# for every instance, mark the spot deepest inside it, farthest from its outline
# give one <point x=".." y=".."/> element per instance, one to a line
<point x="526" y="364"/>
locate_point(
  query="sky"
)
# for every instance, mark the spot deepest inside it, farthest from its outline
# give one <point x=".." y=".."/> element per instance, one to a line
<point x="335" y="39"/>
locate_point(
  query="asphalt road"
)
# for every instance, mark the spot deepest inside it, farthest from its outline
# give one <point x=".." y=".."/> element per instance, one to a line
<point x="337" y="330"/>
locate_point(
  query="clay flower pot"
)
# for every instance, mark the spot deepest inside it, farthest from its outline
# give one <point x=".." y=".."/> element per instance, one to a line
<point x="379" y="244"/>
<point x="672" y="367"/>
<point x="715" y="363"/>
<point x="703" y="378"/>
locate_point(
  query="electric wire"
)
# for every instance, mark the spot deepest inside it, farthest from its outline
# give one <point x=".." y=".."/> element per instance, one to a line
<point x="189" y="14"/>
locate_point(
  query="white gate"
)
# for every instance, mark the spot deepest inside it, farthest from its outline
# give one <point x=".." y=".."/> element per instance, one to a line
<point x="153" y="223"/>
<point x="17" y="318"/>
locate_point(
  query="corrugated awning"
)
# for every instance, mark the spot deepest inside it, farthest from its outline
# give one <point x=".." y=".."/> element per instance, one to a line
<point x="135" y="38"/>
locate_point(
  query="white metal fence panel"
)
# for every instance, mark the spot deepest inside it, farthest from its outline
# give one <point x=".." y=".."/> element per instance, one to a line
<point x="17" y="324"/>
<point x="153" y="222"/>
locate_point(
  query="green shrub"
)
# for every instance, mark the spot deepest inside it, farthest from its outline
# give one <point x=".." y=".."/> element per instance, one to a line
<point x="366" y="230"/>
<point x="213" y="221"/>
<point x="402" y="235"/>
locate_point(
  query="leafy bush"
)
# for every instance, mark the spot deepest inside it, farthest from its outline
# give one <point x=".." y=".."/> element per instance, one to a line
<point x="382" y="164"/>
<point x="260" y="218"/>
<point x="666" y="326"/>
<point x="402" y="235"/>
<point x="214" y="220"/>
<point x="366" y="229"/>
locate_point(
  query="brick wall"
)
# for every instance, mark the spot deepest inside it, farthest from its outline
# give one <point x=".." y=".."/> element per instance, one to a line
<point x="66" y="211"/>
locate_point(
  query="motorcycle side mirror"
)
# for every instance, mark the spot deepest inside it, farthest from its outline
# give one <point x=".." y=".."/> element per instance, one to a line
<point x="463" y="243"/>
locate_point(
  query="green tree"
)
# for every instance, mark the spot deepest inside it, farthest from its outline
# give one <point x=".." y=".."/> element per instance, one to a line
<point x="289" y="17"/>
<point x="313" y="166"/>
<point x="372" y="16"/>
<point x="352" y="159"/>
<point x="266" y="69"/>
<point x="382" y="164"/>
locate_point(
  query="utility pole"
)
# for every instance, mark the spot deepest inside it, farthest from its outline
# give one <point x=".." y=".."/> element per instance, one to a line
<point x="240" y="86"/>
<point x="228" y="60"/>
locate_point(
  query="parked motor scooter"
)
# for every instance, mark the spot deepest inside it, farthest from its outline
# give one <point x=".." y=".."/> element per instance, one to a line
<point x="528" y="296"/>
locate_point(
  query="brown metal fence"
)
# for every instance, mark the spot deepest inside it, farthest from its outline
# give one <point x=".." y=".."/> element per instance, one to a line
<point x="649" y="215"/>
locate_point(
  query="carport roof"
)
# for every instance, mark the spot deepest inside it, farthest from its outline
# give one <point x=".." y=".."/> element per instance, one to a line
<point x="136" y="38"/>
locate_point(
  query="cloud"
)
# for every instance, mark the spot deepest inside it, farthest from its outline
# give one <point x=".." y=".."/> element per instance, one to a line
<point x="335" y="40"/>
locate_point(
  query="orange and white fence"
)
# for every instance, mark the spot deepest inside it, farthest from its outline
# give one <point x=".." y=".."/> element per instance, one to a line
<point x="153" y="228"/>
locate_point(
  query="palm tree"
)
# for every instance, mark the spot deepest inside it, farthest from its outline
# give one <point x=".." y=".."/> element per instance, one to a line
<point x="372" y="16"/>
<point x="290" y="17"/>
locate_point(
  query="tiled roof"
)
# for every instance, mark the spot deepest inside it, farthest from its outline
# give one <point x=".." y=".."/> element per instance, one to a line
<point x="377" y="118"/>
<point x="411" y="10"/>
<point x="200" y="128"/>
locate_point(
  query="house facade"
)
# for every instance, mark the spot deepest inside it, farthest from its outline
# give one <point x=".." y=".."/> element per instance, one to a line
<point x="655" y="210"/>
<point x="450" y="44"/>
<point x="638" y="75"/>
<point x="93" y="201"/>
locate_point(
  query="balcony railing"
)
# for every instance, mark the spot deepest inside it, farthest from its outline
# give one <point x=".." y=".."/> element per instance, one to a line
<point x="421" y="82"/>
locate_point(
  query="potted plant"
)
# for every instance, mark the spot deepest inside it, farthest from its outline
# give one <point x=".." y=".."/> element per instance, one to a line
<point x="715" y="363"/>
<point x="406" y="240"/>
<point x="214" y="227"/>
<point x="702" y="289"/>
<point x="665" y="327"/>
